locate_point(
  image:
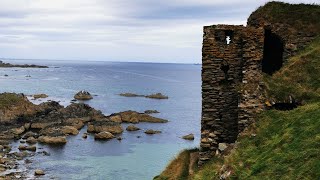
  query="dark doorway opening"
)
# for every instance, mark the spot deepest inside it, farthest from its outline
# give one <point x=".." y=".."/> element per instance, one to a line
<point x="272" y="53"/>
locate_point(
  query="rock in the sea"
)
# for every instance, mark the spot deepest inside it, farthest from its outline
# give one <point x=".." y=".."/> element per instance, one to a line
<point x="53" y="140"/>
<point x="31" y="140"/>
<point x="84" y="135"/>
<point x="59" y="130"/>
<point x="135" y="117"/>
<point x="128" y="116"/>
<point x="104" y="135"/>
<point x="109" y="126"/>
<point x="28" y="148"/>
<point x="116" y="118"/>
<point x="39" y="172"/>
<point x="70" y="130"/>
<point x="37" y="96"/>
<point x="157" y="96"/>
<point x="130" y="95"/>
<point x="27" y="161"/>
<point x="188" y="137"/>
<point x="151" y="131"/>
<point x="132" y="128"/>
<point x="83" y="95"/>
<point x="29" y="134"/>
<point x="151" y="111"/>
<point x="147" y="118"/>
<point x="152" y="96"/>
<point x="78" y="123"/>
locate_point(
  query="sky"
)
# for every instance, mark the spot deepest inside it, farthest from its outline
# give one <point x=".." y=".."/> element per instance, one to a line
<point x="115" y="30"/>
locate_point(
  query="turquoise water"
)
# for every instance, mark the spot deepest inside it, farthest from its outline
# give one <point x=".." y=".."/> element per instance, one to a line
<point x="131" y="158"/>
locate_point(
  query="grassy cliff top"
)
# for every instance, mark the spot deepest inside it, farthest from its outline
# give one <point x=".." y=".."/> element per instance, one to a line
<point x="300" y="16"/>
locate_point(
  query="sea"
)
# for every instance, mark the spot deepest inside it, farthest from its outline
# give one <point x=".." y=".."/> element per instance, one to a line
<point x="131" y="158"/>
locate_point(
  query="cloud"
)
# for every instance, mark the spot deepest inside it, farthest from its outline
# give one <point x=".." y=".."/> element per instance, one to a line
<point x="119" y="30"/>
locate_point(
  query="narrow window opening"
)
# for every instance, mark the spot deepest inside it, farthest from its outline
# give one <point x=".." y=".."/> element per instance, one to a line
<point x="228" y="39"/>
<point x="228" y="35"/>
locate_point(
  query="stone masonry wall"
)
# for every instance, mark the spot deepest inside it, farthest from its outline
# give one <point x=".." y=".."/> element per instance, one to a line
<point x="231" y="84"/>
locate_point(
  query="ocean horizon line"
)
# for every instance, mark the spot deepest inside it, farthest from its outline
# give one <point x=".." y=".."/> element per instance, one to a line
<point x="83" y="60"/>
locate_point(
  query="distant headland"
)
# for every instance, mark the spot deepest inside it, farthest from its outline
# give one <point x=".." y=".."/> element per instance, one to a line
<point x="8" y="65"/>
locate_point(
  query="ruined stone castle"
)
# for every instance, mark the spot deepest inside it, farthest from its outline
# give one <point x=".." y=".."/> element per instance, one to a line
<point x="234" y="59"/>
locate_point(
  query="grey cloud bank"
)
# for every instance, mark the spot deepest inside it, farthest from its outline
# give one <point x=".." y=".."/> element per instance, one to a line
<point x="114" y="30"/>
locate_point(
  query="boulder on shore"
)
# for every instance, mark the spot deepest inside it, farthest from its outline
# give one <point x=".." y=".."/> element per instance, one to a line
<point x="132" y="128"/>
<point x="104" y="135"/>
<point x="188" y="137"/>
<point x="83" y="95"/>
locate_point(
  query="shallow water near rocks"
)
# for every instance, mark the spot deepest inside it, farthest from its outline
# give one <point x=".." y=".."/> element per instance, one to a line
<point x="131" y="158"/>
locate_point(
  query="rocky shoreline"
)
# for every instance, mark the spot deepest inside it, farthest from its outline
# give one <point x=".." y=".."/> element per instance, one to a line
<point x="51" y="123"/>
<point x="8" y="65"/>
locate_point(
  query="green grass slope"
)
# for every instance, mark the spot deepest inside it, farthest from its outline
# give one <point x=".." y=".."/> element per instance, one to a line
<point x="300" y="77"/>
<point x="281" y="145"/>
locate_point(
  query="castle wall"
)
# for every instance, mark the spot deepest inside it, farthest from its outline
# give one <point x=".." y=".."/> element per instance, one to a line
<point x="231" y="80"/>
